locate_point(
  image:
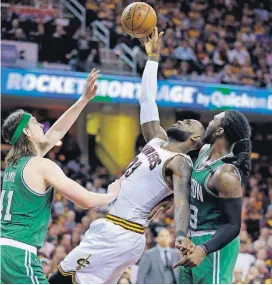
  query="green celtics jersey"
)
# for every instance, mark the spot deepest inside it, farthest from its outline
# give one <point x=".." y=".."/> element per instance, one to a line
<point x="205" y="215"/>
<point x="24" y="213"/>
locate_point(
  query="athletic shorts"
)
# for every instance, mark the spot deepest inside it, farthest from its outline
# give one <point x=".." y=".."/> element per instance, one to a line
<point x="104" y="254"/>
<point x="20" y="266"/>
<point x="216" y="268"/>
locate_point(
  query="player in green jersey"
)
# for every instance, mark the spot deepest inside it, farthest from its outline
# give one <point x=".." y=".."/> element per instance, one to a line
<point x="27" y="192"/>
<point x="216" y="201"/>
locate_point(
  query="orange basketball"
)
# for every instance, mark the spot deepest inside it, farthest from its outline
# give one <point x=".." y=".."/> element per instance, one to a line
<point x="139" y="20"/>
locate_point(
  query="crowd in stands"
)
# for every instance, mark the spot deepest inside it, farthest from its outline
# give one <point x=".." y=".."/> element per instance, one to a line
<point x="217" y="41"/>
<point x="69" y="223"/>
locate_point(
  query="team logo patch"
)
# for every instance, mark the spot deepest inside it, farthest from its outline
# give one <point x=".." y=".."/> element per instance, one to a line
<point x="83" y="262"/>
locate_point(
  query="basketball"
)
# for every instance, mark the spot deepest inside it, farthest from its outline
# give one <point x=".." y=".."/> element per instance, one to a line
<point x="139" y="20"/>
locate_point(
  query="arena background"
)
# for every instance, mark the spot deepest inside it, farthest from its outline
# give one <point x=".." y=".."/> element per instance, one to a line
<point x="217" y="55"/>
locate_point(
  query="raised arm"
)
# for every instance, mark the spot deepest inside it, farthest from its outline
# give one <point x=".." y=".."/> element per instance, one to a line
<point x="149" y="116"/>
<point x="54" y="176"/>
<point x="64" y="123"/>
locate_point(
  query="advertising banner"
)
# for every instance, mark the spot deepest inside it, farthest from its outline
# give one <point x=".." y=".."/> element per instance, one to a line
<point x="121" y="89"/>
<point x="28" y="11"/>
<point x="23" y="54"/>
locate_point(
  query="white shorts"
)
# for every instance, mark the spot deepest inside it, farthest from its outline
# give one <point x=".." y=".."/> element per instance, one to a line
<point x="104" y="254"/>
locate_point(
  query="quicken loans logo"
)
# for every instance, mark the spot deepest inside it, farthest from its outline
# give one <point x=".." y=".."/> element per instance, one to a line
<point x="234" y="100"/>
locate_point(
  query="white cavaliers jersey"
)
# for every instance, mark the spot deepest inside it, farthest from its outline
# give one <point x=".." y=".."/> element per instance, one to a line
<point x="144" y="183"/>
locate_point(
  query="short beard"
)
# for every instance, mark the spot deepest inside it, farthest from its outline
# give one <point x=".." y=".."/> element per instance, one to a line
<point x="209" y="138"/>
<point x="177" y="134"/>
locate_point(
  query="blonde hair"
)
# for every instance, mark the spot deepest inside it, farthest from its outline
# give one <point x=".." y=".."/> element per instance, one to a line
<point x="23" y="147"/>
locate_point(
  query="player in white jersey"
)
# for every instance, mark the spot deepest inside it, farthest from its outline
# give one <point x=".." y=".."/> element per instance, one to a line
<point x="161" y="169"/>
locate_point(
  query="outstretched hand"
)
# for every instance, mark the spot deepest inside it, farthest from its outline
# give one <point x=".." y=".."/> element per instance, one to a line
<point x="153" y="42"/>
<point x="91" y="84"/>
<point x="193" y="259"/>
<point x="184" y="245"/>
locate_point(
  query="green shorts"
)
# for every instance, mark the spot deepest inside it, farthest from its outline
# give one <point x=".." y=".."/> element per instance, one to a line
<point x="20" y="266"/>
<point x="216" y="268"/>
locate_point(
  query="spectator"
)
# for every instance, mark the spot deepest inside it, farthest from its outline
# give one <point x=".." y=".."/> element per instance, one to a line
<point x="239" y="54"/>
<point x="56" y="44"/>
<point x="85" y="224"/>
<point x="220" y="55"/>
<point x="37" y="36"/>
<point x="267" y="221"/>
<point x="238" y="276"/>
<point x="70" y="224"/>
<point x="65" y="242"/>
<point x="156" y="265"/>
<point x="208" y="75"/>
<point x="245" y="260"/>
<point x="258" y="245"/>
<point x="87" y="52"/>
<point x="202" y="55"/>
<point x="14" y="26"/>
<point x="168" y="48"/>
<point x="227" y="76"/>
<point x="76" y="238"/>
<point x="253" y="217"/>
<point x="253" y="276"/>
<point x="184" y="51"/>
<point x="264" y="235"/>
<point x="57" y="257"/>
<point x="267" y="81"/>
<point x="168" y="69"/>
<point x="247" y="37"/>
<point x="184" y="71"/>
<point x="19" y="35"/>
<point x="49" y="247"/>
<point x="97" y="186"/>
<point x="263" y="270"/>
<point x="46" y="265"/>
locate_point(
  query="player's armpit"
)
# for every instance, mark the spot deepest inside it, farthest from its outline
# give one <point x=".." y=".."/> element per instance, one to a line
<point x="153" y="130"/>
<point x="181" y="177"/>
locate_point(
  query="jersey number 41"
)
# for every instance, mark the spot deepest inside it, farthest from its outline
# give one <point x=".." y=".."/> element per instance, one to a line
<point x="7" y="216"/>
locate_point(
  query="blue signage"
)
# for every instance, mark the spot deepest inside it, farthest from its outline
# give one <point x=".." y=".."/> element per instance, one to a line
<point x="121" y="89"/>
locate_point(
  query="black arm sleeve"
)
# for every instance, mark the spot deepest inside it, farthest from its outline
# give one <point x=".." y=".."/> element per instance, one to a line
<point x="230" y="224"/>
